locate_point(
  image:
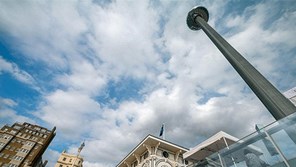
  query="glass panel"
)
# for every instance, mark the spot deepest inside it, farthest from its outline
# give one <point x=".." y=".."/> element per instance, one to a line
<point x="273" y="145"/>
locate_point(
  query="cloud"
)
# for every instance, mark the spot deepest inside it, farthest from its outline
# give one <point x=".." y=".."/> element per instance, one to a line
<point x="84" y="77"/>
<point x="7" y="113"/>
<point x="186" y="81"/>
<point x="70" y="112"/>
<point x="43" y="31"/>
<point x="17" y="73"/>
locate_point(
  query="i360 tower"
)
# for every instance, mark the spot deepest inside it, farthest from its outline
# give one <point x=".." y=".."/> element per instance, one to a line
<point x="278" y="105"/>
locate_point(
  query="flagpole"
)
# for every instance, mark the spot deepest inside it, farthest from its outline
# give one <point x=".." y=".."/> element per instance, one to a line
<point x="163" y="131"/>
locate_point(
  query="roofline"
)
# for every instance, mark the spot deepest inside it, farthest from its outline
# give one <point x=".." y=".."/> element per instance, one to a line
<point x="210" y="140"/>
<point x="151" y="136"/>
<point x="165" y="141"/>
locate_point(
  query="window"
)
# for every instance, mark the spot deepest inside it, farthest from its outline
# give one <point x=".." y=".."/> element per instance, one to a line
<point x="165" y="154"/>
<point x="17" y="127"/>
<point x="30" y="143"/>
<point x="2" y="144"/>
<point x="7" y="137"/>
<point x="33" y="138"/>
<point x="13" y="131"/>
<point x="37" y="128"/>
<point x="12" y="165"/>
<point x="6" y="156"/>
<point x="19" y="158"/>
<point x="61" y="165"/>
<point x="70" y="160"/>
<point x="64" y="159"/>
<point x="24" y="150"/>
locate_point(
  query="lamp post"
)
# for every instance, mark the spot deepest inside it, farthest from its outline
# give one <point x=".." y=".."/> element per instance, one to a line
<point x="278" y="105"/>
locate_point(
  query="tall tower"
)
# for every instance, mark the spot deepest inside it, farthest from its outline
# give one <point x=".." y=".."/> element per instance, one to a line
<point x="24" y="144"/>
<point x="278" y="105"/>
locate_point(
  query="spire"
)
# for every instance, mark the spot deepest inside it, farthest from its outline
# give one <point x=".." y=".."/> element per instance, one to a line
<point x="81" y="147"/>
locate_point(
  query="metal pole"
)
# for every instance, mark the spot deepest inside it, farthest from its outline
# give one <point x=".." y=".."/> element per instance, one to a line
<point x="163" y="131"/>
<point x="278" y="105"/>
<point x="277" y="148"/>
<point x="228" y="149"/>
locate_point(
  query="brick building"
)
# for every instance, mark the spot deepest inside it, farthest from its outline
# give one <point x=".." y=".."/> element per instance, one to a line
<point x="24" y="144"/>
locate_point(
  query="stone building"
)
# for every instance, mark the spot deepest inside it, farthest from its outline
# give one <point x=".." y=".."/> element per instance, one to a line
<point x="155" y="152"/>
<point x="24" y="144"/>
<point x="69" y="160"/>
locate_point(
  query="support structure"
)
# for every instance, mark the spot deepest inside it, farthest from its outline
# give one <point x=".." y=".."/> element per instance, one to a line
<point x="277" y="104"/>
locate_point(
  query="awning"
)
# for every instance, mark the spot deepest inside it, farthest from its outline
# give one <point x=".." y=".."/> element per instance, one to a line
<point x="215" y="143"/>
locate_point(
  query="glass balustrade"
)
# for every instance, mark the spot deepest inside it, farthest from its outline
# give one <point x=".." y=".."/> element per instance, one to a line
<point x="273" y="145"/>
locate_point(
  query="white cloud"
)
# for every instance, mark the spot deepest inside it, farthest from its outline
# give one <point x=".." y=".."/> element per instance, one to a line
<point x="86" y="46"/>
<point x="17" y="73"/>
<point x="84" y="77"/>
<point x="7" y="113"/>
<point x="7" y="102"/>
<point x="70" y="112"/>
<point x="123" y="38"/>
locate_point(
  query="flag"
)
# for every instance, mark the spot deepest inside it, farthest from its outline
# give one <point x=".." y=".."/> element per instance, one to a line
<point x="161" y="130"/>
<point x="81" y="147"/>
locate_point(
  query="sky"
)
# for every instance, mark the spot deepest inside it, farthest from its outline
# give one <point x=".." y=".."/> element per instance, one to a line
<point x="111" y="72"/>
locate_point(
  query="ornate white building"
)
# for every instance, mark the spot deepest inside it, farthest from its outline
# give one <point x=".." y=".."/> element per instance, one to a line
<point x="155" y="152"/>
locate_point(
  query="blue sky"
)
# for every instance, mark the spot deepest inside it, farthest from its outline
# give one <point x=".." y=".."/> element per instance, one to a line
<point x="111" y="72"/>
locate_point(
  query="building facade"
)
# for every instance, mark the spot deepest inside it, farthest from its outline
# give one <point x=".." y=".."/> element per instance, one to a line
<point x="155" y="152"/>
<point x="69" y="160"/>
<point x="291" y="94"/>
<point x="24" y="144"/>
